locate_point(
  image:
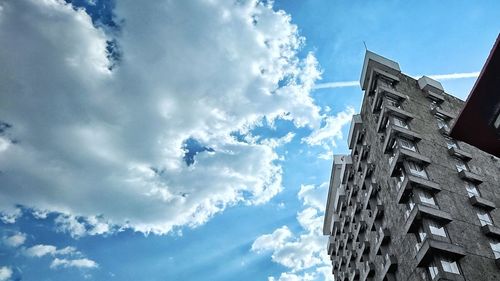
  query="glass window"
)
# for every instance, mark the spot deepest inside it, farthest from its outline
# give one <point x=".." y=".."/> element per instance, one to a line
<point x="393" y="152"/>
<point x="442" y="123"/>
<point x="400" y="179"/>
<point x="450" y="266"/>
<point x="437" y="229"/>
<point x="433" y="270"/>
<point x="495" y="247"/>
<point x="461" y="166"/>
<point x="399" y="122"/>
<point x="451" y="143"/>
<point x="484" y="217"/>
<point x="471" y="189"/>
<point x="408" y="144"/>
<point x="392" y="101"/>
<point x="421" y="235"/>
<point x="409" y="206"/>
<point x="426" y="197"/>
<point x="417" y="170"/>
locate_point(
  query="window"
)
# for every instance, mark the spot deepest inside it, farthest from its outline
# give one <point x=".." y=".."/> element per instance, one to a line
<point x="399" y="122"/>
<point x="450" y="266"/>
<point x="451" y="143"/>
<point x="392" y="101"/>
<point x="417" y="170"/>
<point x="433" y="270"/>
<point x="400" y="179"/>
<point x="461" y="166"/>
<point x="421" y="236"/>
<point x="471" y="189"/>
<point x="442" y="123"/>
<point x="484" y="217"/>
<point x="437" y="229"/>
<point x="409" y="206"/>
<point x="393" y="151"/>
<point x="407" y="144"/>
<point x="495" y="247"/>
<point x="426" y="197"/>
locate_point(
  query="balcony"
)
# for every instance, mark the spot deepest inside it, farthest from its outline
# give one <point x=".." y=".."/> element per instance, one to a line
<point x="462" y="154"/>
<point x="482" y="203"/>
<point x="390" y="265"/>
<point x="470" y="176"/>
<point x="382" y="237"/>
<point x="388" y="110"/>
<point x="445" y="130"/>
<point x="393" y="131"/>
<point x="411" y="182"/>
<point x="367" y="271"/>
<point x="431" y="88"/>
<point x="368" y="170"/>
<point x="442" y="113"/>
<point x="420" y="211"/>
<point x="331" y="245"/>
<point x="383" y="91"/>
<point x="353" y="274"/>
<point x="491" y="231"/>
<point x="380" y="76"/>
<point x="405" y="154"/>
<point x="431" y="248"/>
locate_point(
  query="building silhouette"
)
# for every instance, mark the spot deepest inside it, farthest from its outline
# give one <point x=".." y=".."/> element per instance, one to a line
<point x="409" y="202"/>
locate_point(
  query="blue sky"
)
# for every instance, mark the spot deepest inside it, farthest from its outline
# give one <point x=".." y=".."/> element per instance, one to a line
<point x="186" y="140"/>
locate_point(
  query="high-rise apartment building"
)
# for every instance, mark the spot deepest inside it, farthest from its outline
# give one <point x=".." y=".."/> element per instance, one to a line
<point x="409" y="202"/>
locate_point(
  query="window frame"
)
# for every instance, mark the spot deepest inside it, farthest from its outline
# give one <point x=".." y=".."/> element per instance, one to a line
<point x="450" y="264"/>
<point x="495" y="249"/>
<point x="441" y="228"/>
<point x="418" y="168"/>
<point x="469" y="185"/>
<point x="486" y="214"/>
<point x="425" y="197"/>
<point x="432" y="270"/>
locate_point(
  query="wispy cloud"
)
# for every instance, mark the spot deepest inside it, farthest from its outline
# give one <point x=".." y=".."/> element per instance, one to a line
<point x="450" y="76"/>
<point x="341" y="84"/>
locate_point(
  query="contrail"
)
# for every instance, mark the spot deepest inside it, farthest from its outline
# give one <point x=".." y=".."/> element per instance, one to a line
<point x="451" y="76"/>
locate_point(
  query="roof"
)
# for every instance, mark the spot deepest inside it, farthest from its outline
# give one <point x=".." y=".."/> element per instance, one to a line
<point x="372" y="61"/>
<point x="475" y="124"/>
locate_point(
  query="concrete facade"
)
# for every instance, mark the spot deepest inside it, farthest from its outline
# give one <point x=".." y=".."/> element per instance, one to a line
<point x="398" y="205"/>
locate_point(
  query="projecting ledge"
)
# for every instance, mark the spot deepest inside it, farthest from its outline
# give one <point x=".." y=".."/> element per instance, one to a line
<point x="491" y="231"/>
<point x="431" y="248"/>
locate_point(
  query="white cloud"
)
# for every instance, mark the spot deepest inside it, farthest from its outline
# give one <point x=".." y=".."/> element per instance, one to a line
<point x="293" y="277"/>
<point x="314" y="196"/>
<point x="305" y="254"/>
<point x="5" y="273"/>
<point x="330" y="132"/>
<point x="41" y="250"/>
<point x="441" y="77"/>
<point x="10" y="214"/>
<point x="109" y="144"/>
<point x="15" y="240"/>
<point x="272" y="241"/>
<point x="339" y="84"/>
<point x="78" y="263"/>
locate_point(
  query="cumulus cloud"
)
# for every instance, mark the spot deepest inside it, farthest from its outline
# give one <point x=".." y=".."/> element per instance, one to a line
<point x="305" y="254"/>
<point x="42" y="250"/>
<point x="10" y="214"/>
<point x="5" y="273"/>
<point x="78" y="263"/>
<point x="15" y="240"/>
<point x="62" y="257"/>
<point x="102" y="142"/>
<point x="330" y="132"/>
